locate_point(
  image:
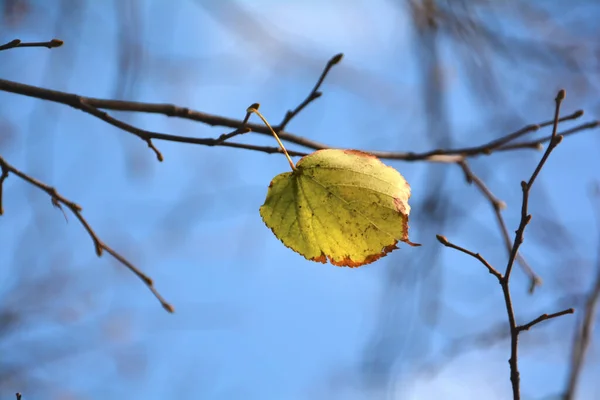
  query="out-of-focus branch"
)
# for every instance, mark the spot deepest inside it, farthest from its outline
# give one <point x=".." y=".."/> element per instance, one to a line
<point x="498" y="205"/>
<point x="17" y="43"/>
<point x="504" y="279"/>
<point x="3" y="176"/>
<point x="59" y="201"/>
<point x="584" y="329"/>
<point x="483" y="340"/>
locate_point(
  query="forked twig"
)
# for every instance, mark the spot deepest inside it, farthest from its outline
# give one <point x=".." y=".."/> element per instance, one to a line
<point x="504" y="278"/>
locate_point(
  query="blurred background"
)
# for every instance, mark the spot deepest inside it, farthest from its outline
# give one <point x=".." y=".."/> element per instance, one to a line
<point x="253" y="319"/>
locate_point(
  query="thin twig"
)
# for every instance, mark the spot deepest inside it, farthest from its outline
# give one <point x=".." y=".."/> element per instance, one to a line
<point x="477" y="256"/>
<point x="18" y="396"/>
<point x="99" y="245"/>
<point x="437" y="156"/>
<point x="525" y="218"/>
<point x="478" y="341"/>
<point x="497" y="206"/>
<point x="17" y="43"/>
<point x="170" y="110"/>
<point x="504" y="279"/>
<point x="243" y="128"/>
<point x="145" y="135"/>
<point x="526" y="186"/>
<point x="530" y="128"/>
<point x="544" y="317"/>
<point x="537" y="144"/>
<point x="312" y="96"/>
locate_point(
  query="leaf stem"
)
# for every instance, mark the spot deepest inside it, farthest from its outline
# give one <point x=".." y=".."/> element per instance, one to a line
<point x="254" y="109"/>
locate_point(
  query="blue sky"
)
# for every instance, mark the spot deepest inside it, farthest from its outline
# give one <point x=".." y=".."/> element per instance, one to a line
<point x="255" y="320"/>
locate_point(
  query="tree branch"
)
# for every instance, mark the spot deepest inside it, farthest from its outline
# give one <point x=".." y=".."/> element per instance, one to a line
<point x="477" y="256"/>
<point x="312" y="96"/>
<point x="59" y="201"/>
<point x="526" y="186"/>
<point x="17" y="43"/>
<point x="93" y="106"/>
<point x="498" y="205"/>
<point x="544" y="317"/>
<point x="504" y="279"/>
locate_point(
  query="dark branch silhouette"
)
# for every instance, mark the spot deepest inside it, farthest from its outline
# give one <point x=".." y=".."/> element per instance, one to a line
<point x="504" y="278"/>
<point x="59" y="201"/>
<point x="13" y="44"/>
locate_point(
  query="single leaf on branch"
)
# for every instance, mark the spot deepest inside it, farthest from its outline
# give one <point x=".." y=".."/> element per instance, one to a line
<point x="345" y="206"/>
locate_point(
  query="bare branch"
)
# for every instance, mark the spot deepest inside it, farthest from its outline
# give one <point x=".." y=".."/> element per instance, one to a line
<point x="544" y="317"/>
<point x="477" y="256"/>
<point x="243" y="128"/>
<point x="537" y="144"/>
<point x="93" y="105"/>
<point x="526" y="186"/>
<point x="312" y="96"/>
<point x="498" y="205"/>
<point x="504" y="280"/>
<point x="99" y="245"/>
<point x="17" y="43"/>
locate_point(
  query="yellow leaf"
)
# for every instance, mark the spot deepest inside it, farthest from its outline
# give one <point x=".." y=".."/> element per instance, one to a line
<point x="342" y="205"/>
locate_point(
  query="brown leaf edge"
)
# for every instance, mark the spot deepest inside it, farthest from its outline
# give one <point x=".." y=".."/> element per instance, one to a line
<point x="348" y="262"/>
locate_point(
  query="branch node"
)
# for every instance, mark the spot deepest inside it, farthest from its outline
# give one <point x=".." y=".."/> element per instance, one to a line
<point x="56" y="43"/>
<point x="168" y="307"/>
<point x="159" y="156"/>
<point x="442" y="239"/>
<point x="336" y="59"/>
<point x="556" y="140"/>
<point x="98" y="248"/>
<point x="500" y="205"/>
